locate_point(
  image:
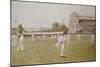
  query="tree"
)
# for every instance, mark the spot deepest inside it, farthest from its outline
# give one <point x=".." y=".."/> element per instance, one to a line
<point x="56" y="27"/>
<point x="64" y="28"/>
<point x="20" y="29"/>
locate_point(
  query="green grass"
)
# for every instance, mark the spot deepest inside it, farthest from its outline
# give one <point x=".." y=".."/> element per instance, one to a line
<point x="45" y="51"/>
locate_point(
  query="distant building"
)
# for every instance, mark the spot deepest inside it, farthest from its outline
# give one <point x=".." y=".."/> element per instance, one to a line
<point x="81" y="24"/>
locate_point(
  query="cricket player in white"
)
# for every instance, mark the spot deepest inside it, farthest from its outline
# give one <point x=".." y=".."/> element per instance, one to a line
<point x="92" y="38"/>
<point x="60" y="44"/>
<point x="20" y="46"/>
<point x="78" y="36"/>
<point x="33" y="36"/>
<point x="44" y="37"/>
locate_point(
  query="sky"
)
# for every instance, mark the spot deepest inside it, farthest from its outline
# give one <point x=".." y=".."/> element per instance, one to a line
<point x="42" y="15"/>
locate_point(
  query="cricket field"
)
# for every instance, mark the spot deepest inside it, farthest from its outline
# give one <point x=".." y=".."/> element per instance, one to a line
<point x="40" y="51"/>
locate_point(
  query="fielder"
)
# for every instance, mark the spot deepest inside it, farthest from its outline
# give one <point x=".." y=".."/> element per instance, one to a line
<point x="44" y="37"/>
<point x="33" y="37"/>
<point x="78" y="36"/>
<point x="60" y="44"/>
<point x="92" y="38"/>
